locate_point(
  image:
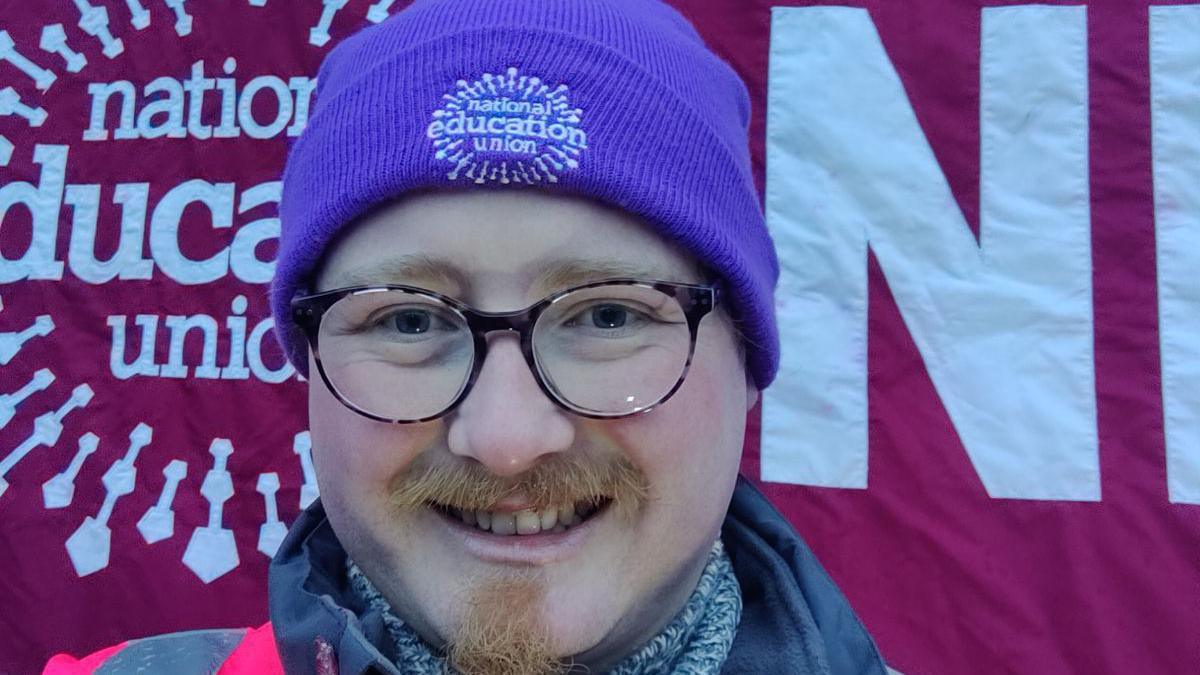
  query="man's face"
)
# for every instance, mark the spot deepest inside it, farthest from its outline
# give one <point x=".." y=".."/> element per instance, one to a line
<point x="605" y="585"/>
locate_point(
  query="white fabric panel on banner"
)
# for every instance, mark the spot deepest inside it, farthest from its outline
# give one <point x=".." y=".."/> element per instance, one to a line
<point x="1004" y="325"/>
<point x="1175" y="123"/>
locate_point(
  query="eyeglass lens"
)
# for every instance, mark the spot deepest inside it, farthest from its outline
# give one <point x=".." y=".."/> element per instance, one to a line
<point x="404" y="355"/>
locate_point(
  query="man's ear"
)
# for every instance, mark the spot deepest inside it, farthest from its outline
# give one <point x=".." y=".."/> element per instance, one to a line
<point x="751" y="392"/>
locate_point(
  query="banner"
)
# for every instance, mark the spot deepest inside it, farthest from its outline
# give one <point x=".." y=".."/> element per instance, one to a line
<point x="986" y="424"/>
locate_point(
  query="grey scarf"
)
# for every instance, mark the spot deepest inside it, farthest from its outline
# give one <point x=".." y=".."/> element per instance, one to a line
<point x="696" y="642"/>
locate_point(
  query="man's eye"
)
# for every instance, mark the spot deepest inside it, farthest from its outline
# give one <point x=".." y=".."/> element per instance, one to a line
<point x="609" y="316"/>
<point x="410" y="321"/>
<point x="607" y="319"/>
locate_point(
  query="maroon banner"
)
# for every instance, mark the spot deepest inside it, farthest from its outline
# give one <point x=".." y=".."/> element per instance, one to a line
<point x="153" y="443"/>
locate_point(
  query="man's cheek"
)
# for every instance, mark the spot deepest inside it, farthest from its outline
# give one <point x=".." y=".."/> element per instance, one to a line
<point x="331" y="442"/>
<point x="683" y="426"/>
<point x="353" y="453"/>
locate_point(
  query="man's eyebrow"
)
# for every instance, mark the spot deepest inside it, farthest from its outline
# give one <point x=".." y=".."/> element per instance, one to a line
<point x="577" y="271"/>
<point x="409" y="268"/>
<point x="557" y="274"/>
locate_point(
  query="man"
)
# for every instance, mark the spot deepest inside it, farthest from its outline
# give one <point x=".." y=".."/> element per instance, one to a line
<point x="524" y="267"/>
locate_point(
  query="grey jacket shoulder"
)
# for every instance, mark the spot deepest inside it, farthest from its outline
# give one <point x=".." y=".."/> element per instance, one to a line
<point x="196" y="652"/>
<point x="795" y="619"/>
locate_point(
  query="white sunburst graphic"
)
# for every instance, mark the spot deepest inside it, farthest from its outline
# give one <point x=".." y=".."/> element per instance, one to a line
<point x="47" y="427"/>
<point x="510" y="128"/>
<point x="211" y="552"/>
<point x="90" y="545"/>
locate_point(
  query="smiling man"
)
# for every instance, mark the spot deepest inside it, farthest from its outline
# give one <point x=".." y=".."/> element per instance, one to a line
<point x="565" y="492"/>
<point x="524" y="268"/>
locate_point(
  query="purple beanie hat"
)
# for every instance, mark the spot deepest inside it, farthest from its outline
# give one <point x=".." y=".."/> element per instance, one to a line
<point x="618" y="100"/>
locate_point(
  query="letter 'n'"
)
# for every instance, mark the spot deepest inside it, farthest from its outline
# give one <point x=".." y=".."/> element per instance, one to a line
<point x="1004" y="326"/>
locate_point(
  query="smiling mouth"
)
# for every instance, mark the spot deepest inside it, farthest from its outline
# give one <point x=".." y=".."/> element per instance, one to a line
<point x="526" y="522"/>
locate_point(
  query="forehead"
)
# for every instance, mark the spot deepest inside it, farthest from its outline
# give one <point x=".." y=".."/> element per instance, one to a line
<point x="472" y="243"/>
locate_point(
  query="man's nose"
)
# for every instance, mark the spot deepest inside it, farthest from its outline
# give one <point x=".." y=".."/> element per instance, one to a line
<point x="506" y="422"/>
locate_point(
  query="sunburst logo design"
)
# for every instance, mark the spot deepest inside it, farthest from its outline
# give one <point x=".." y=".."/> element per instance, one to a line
<point x="42" y="410"/>
<point x="510" y="128"/>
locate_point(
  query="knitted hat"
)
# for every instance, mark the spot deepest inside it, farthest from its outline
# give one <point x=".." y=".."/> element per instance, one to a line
<point x="618" y="100"/>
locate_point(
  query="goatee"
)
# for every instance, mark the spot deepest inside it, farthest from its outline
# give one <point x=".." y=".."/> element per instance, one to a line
<point x="503" y="633"/>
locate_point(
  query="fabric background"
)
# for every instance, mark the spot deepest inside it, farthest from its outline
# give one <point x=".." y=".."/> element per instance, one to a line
<point x="947" y="578"/>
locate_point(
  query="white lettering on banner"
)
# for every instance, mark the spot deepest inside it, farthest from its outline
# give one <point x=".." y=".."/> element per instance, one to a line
<point x="283" y="105"/>
<point x="179" y="327"/>
<point x="195" y="87"/>
<point x="1175" y="132"/>
<point x="144" y="363"/>
<point x="236" y="325"/>
<point x="164" y="230"/>
<point x="44" y="201"/>
<point x="243" y="349"/>
<point x="304" y="88"/>
<point x="172" y="107"/>
<point x="127" y="261"/>
<point x="254" y="355"/>
<point x="228" y="88"/>
<point x="1004" y="325"/>
<point x="242" y="259"/>
<point x="100" y="93"/>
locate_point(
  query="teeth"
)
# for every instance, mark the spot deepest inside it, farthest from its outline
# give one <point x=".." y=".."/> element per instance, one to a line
<point x="566" y="515"/>
<point x="548" y="518"/>
<point x="504" y="524"/>
<point x="527" y="521"/>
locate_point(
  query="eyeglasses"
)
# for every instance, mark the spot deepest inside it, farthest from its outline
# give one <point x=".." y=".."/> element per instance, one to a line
<point x="604" y="350"/>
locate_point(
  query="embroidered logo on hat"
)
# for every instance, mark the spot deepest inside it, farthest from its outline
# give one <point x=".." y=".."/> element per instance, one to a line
<point x="510" y="128"/>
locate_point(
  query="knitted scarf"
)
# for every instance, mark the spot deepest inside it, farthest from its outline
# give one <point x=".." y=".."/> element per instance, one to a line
<point x="696" y="641"/>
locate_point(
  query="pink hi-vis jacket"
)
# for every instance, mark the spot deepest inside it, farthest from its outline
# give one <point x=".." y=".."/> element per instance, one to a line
<point x="223" y="652"/>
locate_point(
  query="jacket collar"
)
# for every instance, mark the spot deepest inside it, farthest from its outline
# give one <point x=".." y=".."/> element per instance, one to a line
<point x="794" y="618"/>
<point x="310" y="602"/>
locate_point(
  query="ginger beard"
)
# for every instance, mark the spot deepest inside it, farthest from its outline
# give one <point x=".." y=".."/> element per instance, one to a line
<point x="502" y="631"/>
